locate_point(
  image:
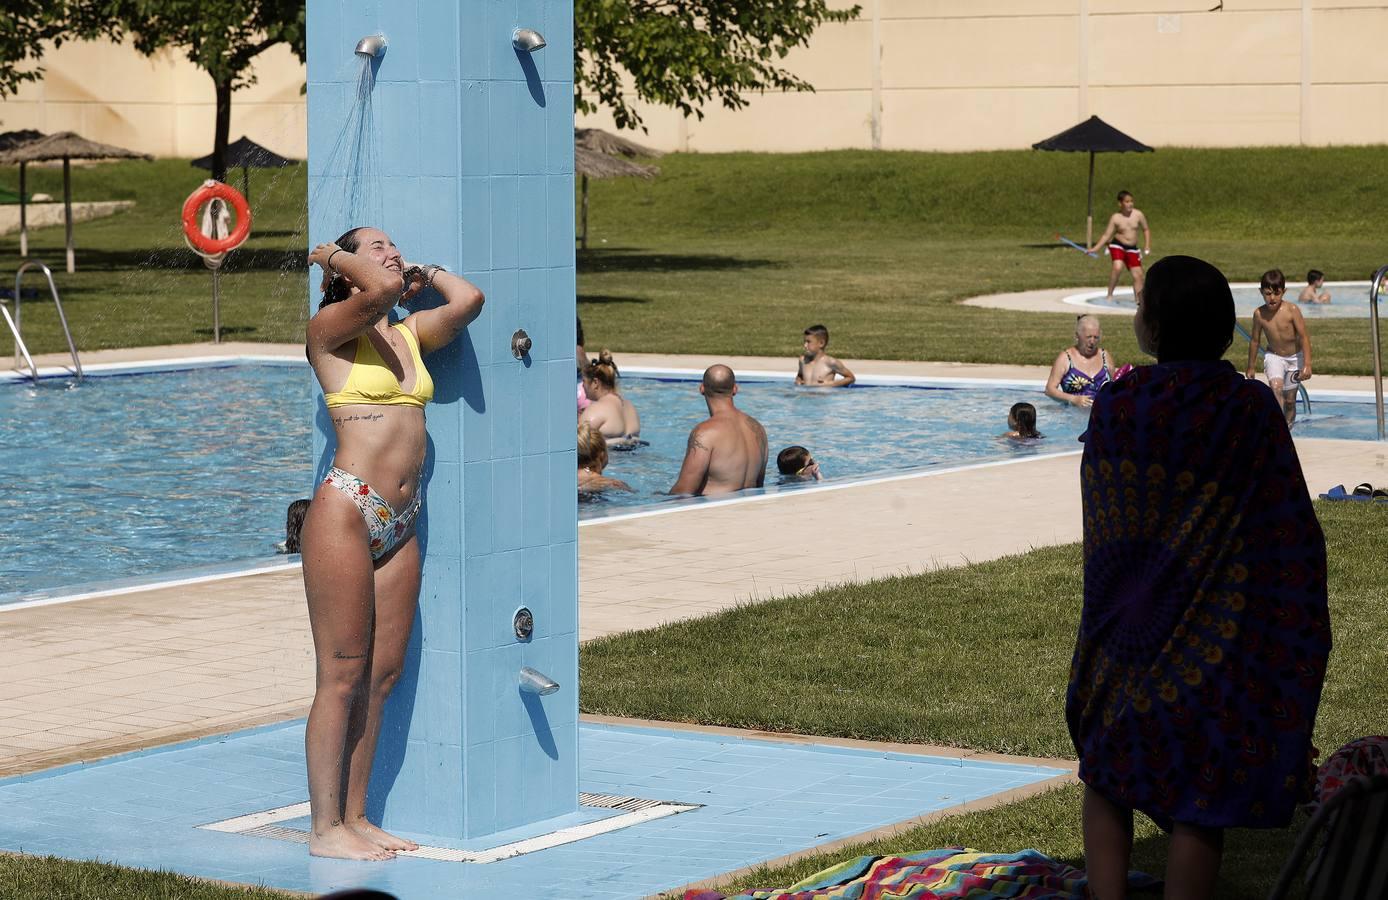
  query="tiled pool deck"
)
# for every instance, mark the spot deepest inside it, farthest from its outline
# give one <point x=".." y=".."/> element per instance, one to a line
<point x="95" y="677"/>
<point x="756" y="800"/>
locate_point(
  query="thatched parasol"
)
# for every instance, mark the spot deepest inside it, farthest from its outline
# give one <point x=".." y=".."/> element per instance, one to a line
<point x="612" y="144"/>
<point x="247" y="154"/>
<point x="594" y="164"/>
<point x="8" y="141"/>
<point x="67" y="146"/>
<point x="1091" y="136"/>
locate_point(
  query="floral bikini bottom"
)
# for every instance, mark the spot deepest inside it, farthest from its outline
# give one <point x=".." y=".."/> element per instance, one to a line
<point x="384" y="527"/>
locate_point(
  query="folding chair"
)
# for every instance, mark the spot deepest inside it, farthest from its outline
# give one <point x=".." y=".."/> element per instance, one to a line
<point x="1353" y="862"/>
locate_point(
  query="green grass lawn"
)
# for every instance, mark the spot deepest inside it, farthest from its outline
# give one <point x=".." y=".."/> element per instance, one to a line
<point x="32" y="877"/>
<point x="737" y="253"/>
<point x="973" y="657"/>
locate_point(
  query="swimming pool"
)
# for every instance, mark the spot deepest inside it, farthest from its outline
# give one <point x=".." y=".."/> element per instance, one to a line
<point x="140" y="474"/>
<point x="1349" y="300"/>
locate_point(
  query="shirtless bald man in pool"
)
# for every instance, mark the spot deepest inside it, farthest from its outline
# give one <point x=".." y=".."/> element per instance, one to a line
<point x="727" y="451"/>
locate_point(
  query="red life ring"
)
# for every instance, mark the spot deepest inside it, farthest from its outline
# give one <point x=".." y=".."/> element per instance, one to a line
<point x="216" y="190"/>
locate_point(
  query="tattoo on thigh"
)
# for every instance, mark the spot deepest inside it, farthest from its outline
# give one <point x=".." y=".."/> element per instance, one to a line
<point x="338" y="654"/>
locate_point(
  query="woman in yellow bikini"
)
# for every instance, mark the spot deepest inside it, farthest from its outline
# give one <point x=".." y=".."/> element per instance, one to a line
<point x="360" y="556"/>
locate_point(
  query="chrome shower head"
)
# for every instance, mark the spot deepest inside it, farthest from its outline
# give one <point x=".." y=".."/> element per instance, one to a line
<point x="527" y="39"/>
<point x="371" y="45"/>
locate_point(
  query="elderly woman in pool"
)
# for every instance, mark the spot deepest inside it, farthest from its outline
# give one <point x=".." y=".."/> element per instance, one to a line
<point x="1079" y="371"/>
<point x="360" y="556"/>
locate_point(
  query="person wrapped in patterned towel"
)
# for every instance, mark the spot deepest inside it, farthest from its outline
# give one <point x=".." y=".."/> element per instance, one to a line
<point x="1204" y="633"/>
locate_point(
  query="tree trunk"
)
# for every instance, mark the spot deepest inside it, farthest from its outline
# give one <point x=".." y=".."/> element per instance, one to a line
<point x="223" y="132"/>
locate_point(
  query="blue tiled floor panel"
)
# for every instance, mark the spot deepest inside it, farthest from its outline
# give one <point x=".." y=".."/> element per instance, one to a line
<point x="760" y="799"/>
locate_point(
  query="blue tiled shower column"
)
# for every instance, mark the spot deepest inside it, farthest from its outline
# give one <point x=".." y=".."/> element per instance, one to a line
<point x="474" y="145"/>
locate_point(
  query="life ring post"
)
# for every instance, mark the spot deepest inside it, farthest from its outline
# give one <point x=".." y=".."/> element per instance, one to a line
<point x="206" y="244"/>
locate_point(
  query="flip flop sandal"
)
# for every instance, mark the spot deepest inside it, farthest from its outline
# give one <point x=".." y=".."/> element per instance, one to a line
<point x="1364" y="490"/>
<point x="1338" y="492"/>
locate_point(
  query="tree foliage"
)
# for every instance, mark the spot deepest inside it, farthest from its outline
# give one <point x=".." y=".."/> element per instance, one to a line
<point x="27" y="27"/>
<point x="221" y="38"/>
<point x="684" y="53"/>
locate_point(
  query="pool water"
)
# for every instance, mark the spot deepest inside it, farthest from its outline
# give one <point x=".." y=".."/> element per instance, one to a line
<point x="137" y="475"/>
<point x="1347" y="301"/>
<point x="851" y="432"/>
<point x="146" y="473"/>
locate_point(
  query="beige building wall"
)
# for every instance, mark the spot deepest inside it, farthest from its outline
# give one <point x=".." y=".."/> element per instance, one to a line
<point x="162" y="105"/>
<point x="1003" y="74"/>
<point x="906" y="75"/>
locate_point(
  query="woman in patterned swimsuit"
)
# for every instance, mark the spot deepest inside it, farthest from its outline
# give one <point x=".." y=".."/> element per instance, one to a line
<point x="360" y="555"/>
<point x="1204" y="633"/>
<point x="1079" y="371"/>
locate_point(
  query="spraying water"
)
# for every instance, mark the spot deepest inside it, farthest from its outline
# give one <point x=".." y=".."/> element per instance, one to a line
<point x="349" y="187"/>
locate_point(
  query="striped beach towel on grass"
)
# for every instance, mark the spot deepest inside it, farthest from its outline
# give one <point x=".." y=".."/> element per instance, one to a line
<point x="953" y="873"/>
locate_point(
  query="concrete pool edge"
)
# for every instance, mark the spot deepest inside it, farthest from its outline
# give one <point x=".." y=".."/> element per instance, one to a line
<point x="156" y="582"/>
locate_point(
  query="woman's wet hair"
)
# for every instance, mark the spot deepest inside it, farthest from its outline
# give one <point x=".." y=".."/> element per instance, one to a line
<point x="1188" y="304"/>
<point x="592" y="448"/>
<point x="337" y="288"/>
<point x="603" y="369"/>
<point x="1024" y="416"/>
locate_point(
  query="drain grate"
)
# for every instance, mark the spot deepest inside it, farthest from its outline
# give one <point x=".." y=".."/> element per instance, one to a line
<point x="634" y="810"/>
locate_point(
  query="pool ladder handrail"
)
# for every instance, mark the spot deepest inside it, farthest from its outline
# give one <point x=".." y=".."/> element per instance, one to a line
<point x="1300" y="388"/>
<point x="15" y="323"/>
<point x="1373" y="337"/>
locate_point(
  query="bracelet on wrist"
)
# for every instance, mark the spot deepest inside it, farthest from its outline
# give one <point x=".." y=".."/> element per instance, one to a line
<point x="330" y="260"/>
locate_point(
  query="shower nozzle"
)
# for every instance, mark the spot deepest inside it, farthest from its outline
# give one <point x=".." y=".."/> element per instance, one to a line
<point x="533" y="682"/>
<point x="527" y="39"/>
<point x="371" y="45"/>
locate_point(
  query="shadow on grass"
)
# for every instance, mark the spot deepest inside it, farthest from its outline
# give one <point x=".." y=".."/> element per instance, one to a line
<point x="599" y="299"/>
<point x="631" y="259"/>
<point x="228" y="329"/>
<point x="244" y="260"/>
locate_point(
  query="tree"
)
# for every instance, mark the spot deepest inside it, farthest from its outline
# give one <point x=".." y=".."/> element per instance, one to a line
<point x="26" y="26"/>
<point x="221" y="38"/>
<point x="682" y="53"/>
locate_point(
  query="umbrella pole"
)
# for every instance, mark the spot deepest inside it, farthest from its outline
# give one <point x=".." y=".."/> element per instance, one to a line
<point x="1089" y="220"/>
<point x="23" y="217"/>
<point x="246" y="184"/>
<point x="67" y="212"/>
<point x="216" y="305"/>
<point x="583" y="233"/>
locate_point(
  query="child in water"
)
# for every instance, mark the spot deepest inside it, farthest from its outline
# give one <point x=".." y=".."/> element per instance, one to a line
<point x="592" y="459"/>
<point x="1021" y="423"/>
<point x="293" y="524"/>
<point x="795" y="464"/>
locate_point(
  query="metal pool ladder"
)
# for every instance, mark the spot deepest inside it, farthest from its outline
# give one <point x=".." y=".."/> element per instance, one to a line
<point x="14" y="323"/>
<point x="1373" y="338"/>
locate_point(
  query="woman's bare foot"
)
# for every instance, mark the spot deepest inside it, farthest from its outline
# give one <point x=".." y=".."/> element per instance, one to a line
<point x="342" y="842"/>
<point x="381" y="838"/>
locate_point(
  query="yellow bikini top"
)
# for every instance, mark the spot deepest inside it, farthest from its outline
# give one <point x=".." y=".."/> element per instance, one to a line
<point x="371" y="381"/>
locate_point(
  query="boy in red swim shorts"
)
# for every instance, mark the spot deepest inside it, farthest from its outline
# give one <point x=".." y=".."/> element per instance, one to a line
<point x="1121" y="238"/>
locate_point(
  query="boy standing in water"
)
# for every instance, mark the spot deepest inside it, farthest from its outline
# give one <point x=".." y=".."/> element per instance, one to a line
<point x="1121" y="237"/>
<point x="818" y="368"/>
<point x="1288" y="358"/>
<point x="1314" y="291"/>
